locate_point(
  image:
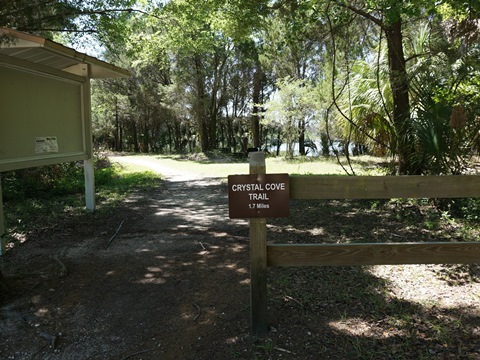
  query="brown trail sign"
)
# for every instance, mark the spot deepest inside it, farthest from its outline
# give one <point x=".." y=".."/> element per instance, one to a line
<point x="258" y="196"/>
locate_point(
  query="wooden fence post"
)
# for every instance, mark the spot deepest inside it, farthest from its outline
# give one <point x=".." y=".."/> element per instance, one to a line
<point x="258" y="259"/>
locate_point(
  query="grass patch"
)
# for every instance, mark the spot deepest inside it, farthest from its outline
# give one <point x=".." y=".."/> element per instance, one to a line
<point x="40" y="198"/>
<point x="224" y="166"/>
<point x="115" y="183"/>
<point x="362" y="165"/>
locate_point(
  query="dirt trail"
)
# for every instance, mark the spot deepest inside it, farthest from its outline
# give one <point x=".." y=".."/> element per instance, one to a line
<point x="172" y="284"/>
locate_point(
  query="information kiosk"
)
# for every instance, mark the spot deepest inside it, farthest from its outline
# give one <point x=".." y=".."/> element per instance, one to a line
<point x="45" y="106"/>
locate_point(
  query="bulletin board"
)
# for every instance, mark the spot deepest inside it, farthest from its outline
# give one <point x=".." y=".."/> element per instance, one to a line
<point x="43" y="119"/>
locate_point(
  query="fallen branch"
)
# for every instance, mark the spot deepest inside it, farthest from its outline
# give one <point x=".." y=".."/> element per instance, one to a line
<point x="63" y="268"/>
<point x="284" y="350"/>
<point x="199" y="311"/>
<point x="293" y="299"/>
<point x="34" y="286"/>
<point x="51" y="339"/>
<point x="114" y="235"/>
<point x="38" y="351"/>
<point x="134" y="354"/>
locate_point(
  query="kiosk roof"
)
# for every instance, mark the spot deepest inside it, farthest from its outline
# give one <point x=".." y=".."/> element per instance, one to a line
<point x="52" y="54"/>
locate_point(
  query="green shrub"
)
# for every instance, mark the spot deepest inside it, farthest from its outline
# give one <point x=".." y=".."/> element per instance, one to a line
<point x="59" y="179"/>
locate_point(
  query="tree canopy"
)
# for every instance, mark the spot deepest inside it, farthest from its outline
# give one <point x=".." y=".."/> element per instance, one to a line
<point x="399" y="78"/>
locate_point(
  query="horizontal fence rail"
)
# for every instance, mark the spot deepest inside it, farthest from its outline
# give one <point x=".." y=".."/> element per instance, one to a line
<point x="373" y="254"/>
<point x="378" y="187"/>
<point x="384" y="187"/>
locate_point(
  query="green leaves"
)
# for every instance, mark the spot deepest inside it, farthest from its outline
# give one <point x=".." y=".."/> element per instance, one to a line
<point x="293" y="104"/>
<point x="201" y="69"/>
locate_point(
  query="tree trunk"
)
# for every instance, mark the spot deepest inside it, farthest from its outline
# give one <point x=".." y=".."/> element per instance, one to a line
<point x="257" y="90"/>
<point x="200" y="113"/>
<point x="301" y="137"/>
<point x="212" y="131"/>
<point x="145" y="144"/>
<point x="117" y="128"/>
<point x="216" y="103"/>
<point x="120" y="139"/>
<point x="136" y="148"/>
<point x="404" y="145"/>
<point x="279" y="143"/>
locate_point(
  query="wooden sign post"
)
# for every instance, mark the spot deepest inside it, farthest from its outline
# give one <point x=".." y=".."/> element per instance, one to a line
<point x="258" y="258"/>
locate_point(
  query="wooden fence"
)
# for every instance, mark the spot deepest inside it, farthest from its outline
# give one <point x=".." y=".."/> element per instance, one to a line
<point x="354" y="187"/>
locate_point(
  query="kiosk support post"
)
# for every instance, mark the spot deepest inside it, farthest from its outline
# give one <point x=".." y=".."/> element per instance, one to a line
<point x="2" y="222"/>
<point x="88" y="169"/>
<point x="258" y="258"/>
